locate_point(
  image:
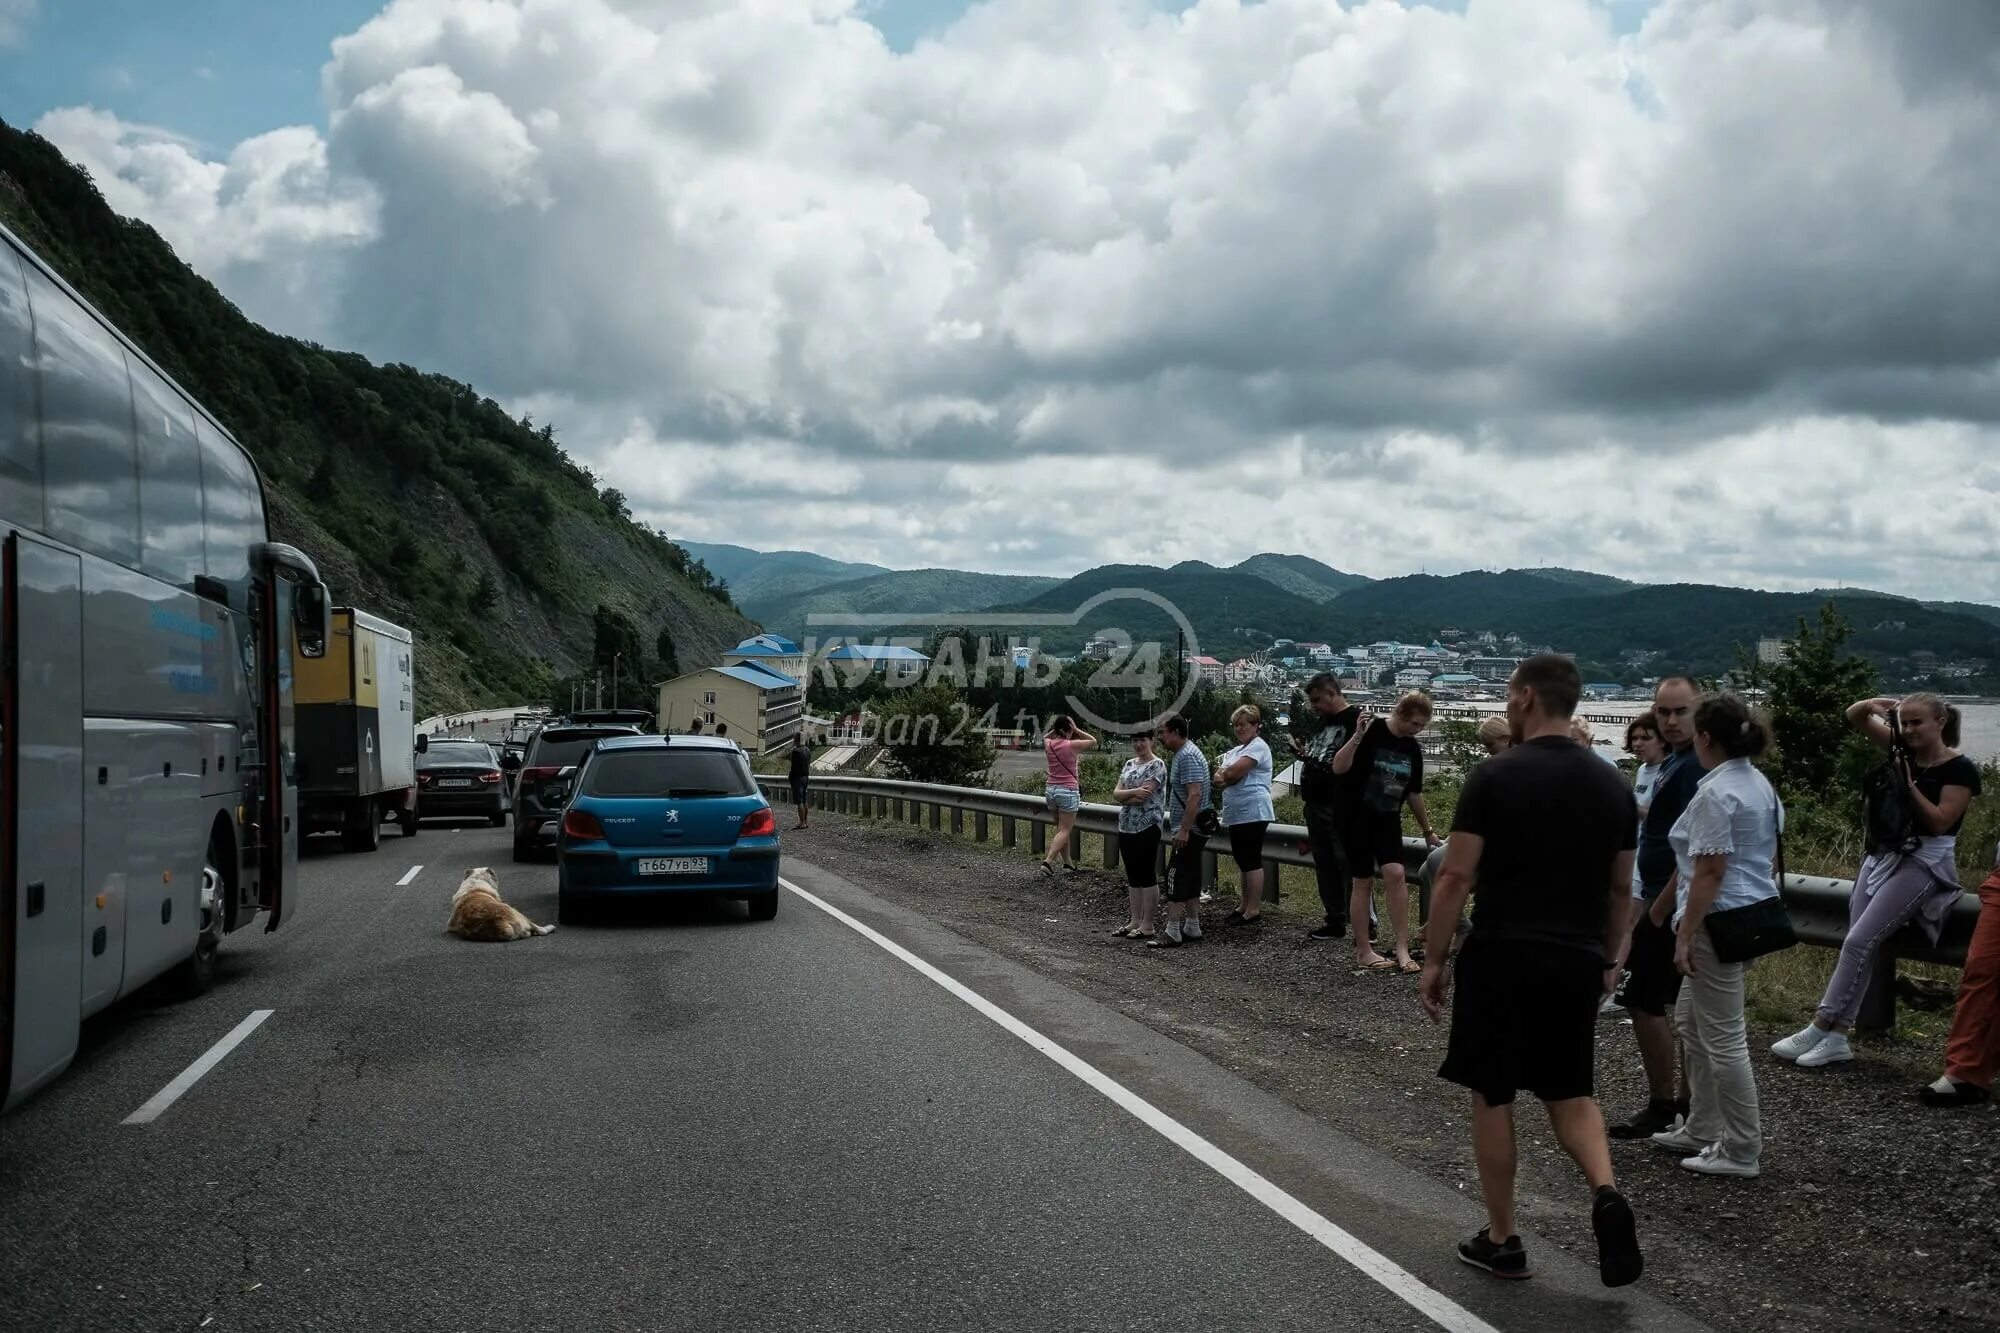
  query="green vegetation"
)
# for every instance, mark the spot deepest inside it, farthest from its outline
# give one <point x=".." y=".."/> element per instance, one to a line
<point x="932" y="735"/>
<point x="420" y="499"/>
<point x="913" y="592"/>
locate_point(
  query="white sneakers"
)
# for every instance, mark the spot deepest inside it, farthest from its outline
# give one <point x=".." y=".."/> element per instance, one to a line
<point x="1712" y="1161"/>
<point x="1191" y="927"/>
<point x="1796" y="1045"/>
<point x="1677" y="1139"/>
<point x="1833" y="1050"/>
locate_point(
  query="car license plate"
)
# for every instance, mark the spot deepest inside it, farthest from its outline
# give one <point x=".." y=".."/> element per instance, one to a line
<point x="673" y="865"/>
<point x="455" y="782"/>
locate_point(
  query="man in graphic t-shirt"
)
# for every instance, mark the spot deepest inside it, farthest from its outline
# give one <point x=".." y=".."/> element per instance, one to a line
<point x="1320" y="790"/>
<point x="1547" y="832"/>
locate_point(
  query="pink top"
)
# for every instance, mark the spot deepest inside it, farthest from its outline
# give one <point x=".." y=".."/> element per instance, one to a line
<point x="1062" y="763"/>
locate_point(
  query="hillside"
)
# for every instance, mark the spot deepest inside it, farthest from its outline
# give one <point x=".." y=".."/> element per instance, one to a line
<point x="1300" y="574"/>
<point x="1418" y="606"/>
<point x="911" y="592"/>
<point x="1231" y="612"/>
<point x="420" y="499"/>
<point x="758" y="578"/>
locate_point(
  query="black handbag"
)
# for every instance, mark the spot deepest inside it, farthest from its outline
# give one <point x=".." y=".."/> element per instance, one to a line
<point x="1743" y="933"/>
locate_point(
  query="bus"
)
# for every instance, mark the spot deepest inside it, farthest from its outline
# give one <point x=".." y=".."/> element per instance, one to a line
<point x="147" y="623"/>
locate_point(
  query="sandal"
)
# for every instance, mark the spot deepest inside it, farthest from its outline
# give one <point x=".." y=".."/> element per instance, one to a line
<point x="1162" y="942"/>
<point x="1379" y="965"/>
<point x="1414" y="969"/>
<point x="1123" y="931"/>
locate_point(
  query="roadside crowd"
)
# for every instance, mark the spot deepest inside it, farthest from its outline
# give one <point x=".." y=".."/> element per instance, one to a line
<point x="1588" y="890"/>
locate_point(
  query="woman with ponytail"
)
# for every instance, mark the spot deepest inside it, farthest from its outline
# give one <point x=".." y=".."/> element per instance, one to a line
<point x="1724" y="846"/>
<point x="1917" y="803"/>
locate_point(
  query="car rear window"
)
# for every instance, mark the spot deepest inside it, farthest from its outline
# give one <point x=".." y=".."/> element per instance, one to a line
<point x="565" y="749"/>
<point x="454" y="754"/>
<point x="665" y="772"/>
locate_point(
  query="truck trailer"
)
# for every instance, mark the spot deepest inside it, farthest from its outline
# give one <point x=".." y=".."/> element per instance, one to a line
<point x="357" y="741"/>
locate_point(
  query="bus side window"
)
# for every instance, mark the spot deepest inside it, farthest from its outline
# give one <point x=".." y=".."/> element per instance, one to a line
<point x="89" y="457"/>
<point x="232" y="513"/>
<point x="169" y="482"/>
<point x="20" y="432"/>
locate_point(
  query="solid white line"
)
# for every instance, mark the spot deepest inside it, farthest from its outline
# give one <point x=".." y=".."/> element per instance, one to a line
<point x="1399" y="1281"/>
<point x="187" y="1078"/>
<point x="409" y="875"/>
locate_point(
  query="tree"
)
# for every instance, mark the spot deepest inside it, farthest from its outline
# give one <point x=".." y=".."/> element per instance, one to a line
<point x="1819" y="755"/>
<point x="486" y="593"/>
<point x="1459" y="742"/>
<point x="932" y="735"/>
<point x="614" y="503"/>
<point x="324" y="484"/>
<point x="665" y="657"/>
<point x="615" y="649"/>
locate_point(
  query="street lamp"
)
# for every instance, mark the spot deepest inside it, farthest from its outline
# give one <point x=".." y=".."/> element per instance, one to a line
<point x="614" y="678"/>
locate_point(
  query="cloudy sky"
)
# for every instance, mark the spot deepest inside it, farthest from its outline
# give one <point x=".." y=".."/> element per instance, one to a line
<point x="1698" y="289"/>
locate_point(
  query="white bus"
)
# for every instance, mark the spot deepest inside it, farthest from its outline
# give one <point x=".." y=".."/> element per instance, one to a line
<point x="146" y="628"/>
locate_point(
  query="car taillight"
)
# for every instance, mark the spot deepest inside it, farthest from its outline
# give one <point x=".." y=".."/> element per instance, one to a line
<point x="538" y="774"/>
<point x="581" y="824"/>
<point x="759" y="824"/>
<point x="489" y="777"/>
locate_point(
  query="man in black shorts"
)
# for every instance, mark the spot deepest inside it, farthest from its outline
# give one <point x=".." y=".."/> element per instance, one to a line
<point x="1547" y="830"/>
<point x="800" y="776"/>
<point x="1653" y="982"/>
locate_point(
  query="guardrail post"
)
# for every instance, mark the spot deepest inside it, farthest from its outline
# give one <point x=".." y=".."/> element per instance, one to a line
<point x="1111" y="851"/>
<point x="1273" y="877"/>
<point x="1008" y="838"/>
<point x="979" y="825"/>
<point x="1038" y="836"/>
<point x="937" y="816"/>
<point x="958" y="819"/>
<point x="1208" y="875"/>
<point x="1878" y="1002"/>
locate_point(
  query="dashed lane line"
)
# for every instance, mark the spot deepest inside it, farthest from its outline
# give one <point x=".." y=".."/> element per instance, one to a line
<point x="188" y="1077"/>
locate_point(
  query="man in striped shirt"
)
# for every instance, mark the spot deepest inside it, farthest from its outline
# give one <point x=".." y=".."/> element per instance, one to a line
<point x="1187" y="801"/>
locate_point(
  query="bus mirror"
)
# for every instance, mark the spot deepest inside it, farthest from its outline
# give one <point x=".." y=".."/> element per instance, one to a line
<point x="309" y="615"/>
<point x="423" y="742"/>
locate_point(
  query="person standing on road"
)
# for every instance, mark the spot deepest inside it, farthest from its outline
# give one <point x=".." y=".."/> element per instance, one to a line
<point x="1386" y="762"/>
<point x="1725" y="846"/>
<point x="1643" y="743"/>
<point x="1064" y="794"/>
<point x="1972" y="1052"/>
<point x="1547" y="833"/>
<point x="1186" y="811"/>
<point x="1320" y="790"/>
<point x="1909" y="874"/>
<point x="1245" y="781"/>
<point x="1653" y="983"/>
<point x="801" y="776"/>
<point x="1141" y="799"/>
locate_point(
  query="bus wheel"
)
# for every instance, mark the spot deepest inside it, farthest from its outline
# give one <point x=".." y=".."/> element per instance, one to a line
<point x="364" y="827"/>
<point x="196" y="973"/>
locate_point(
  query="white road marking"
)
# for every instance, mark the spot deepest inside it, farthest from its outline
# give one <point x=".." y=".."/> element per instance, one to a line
<point x="409" y="875"/>
<point x="188" y="1077"/>
<point x="1399" y="1281"/>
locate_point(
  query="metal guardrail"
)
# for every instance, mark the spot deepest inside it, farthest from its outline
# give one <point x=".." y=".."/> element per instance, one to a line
<point x="1818" y="904"/>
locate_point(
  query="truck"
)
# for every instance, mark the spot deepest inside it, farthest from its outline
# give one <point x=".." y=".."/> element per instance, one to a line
<point x="357" y="741"/>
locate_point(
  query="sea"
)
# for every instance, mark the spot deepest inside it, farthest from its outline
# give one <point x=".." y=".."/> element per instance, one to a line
<point x="1980" y="724"/>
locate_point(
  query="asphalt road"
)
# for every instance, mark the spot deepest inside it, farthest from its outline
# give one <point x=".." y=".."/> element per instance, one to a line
<point x="686" y="1120"/>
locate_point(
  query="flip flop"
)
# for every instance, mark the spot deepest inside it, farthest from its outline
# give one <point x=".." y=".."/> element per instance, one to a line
<point x="1379" y="965"/>
<point x="1122" y="932"/>
<point x="1414" y="969"/>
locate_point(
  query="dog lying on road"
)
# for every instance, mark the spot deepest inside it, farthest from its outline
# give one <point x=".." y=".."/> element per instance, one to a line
<point x="478" y="914"/>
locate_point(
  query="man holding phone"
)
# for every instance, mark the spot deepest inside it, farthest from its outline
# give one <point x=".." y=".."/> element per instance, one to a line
<point x="1320" y="790"/>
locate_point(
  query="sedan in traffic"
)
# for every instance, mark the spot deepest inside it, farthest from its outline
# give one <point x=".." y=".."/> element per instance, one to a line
<point x="666" y="815"/>
<point x="461" y="780"/>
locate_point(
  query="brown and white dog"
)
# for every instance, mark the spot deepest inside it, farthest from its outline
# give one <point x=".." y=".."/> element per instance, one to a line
<point x="478" y="914"/>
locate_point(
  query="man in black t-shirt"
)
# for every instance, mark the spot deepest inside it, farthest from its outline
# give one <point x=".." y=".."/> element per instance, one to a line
<point x="800" y="775"/>
<point x="1320" y="790"/>
<point x="1547" y="830"/>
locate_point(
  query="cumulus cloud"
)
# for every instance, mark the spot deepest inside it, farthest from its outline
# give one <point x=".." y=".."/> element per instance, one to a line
<point x="1394" y="286"/>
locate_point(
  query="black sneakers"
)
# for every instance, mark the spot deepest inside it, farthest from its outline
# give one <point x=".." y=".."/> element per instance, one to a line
<point x="1507" y="1259"/>
<point x="1657" y="1118"/>
<point x="1619" y="1262"/>
<point x="1330" y="931"/>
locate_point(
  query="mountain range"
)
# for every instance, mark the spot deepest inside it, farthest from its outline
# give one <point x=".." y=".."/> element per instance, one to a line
<point x="419" y="498"/>
<point x="1618" y="629"/>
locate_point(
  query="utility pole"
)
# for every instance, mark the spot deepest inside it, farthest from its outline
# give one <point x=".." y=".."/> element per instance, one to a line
<point x="614" y="678"/>
<point x="600" y="689"/>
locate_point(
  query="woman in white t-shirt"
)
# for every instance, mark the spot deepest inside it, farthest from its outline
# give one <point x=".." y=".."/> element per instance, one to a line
<point x="1244" y="776"/>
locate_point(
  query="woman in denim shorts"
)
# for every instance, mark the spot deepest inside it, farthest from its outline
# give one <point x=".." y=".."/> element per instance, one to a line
<point x="1064" y="749"/>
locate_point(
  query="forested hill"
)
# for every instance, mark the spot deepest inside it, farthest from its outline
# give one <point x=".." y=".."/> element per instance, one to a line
<point x="421" y="500"/>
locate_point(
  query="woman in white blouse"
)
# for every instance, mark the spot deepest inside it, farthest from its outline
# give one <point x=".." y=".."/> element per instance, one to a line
<point x="1725" y="844"/>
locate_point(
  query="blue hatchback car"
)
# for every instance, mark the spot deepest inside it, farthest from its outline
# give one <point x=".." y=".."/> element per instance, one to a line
<point x="653" y="815"/>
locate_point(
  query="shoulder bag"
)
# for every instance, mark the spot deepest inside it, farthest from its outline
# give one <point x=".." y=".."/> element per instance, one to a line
<point x="1765" y="926"/>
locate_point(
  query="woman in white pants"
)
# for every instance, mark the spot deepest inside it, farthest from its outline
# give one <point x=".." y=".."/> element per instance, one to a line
<point x="1725" y="843"/>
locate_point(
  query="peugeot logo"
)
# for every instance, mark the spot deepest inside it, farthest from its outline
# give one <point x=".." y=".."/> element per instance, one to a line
<point x="673" y="816"/>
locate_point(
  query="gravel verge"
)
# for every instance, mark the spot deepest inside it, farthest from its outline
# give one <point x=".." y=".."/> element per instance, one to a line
<point x="1872" y="1211"/>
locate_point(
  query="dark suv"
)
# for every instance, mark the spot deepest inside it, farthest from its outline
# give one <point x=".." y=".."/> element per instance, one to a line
<point x="539" y="790"/>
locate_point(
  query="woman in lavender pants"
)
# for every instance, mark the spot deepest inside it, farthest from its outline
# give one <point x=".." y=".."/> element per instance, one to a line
<point x="1896" y="885"/>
